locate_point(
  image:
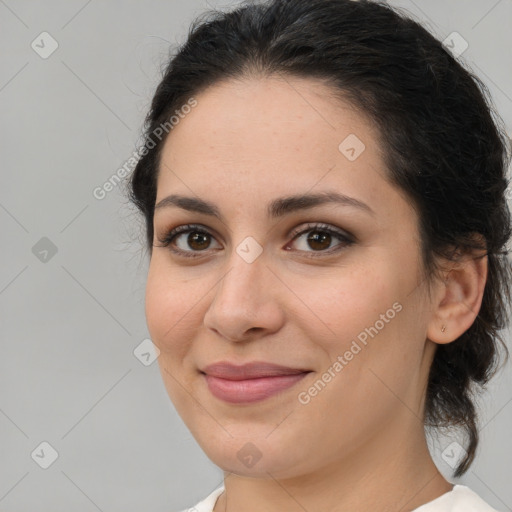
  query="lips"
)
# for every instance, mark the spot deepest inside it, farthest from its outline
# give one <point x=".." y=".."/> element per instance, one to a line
<point x="250" y="382"/>
<point x="254" y="370"/>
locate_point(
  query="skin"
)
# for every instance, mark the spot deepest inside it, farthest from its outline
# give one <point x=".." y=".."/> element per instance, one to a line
<point x="358" y="444"/>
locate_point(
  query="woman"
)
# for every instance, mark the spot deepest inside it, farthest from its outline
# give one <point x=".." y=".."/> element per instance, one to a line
<point x="323" y="187"/>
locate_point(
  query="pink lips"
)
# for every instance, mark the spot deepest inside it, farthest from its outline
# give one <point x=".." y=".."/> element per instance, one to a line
<point x="250" y="382"/>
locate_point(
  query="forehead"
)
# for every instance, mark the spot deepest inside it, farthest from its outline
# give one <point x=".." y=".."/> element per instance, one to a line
<point x="272" y="106"/>
<point x="248" y="140"/>
<point x="272" y="121"/>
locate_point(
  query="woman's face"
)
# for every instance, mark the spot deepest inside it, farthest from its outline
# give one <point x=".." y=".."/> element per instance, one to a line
<point x="342" y="302"/>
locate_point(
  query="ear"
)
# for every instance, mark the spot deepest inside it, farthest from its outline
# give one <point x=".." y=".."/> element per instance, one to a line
<point x="458" y="298"/>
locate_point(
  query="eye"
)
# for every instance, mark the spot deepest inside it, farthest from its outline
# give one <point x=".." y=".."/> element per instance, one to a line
<point x="320" y="236"/>
<point x="199" y="239"/>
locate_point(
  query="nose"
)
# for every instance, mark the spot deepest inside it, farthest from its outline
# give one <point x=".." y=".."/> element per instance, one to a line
<point x="245" y="303"/>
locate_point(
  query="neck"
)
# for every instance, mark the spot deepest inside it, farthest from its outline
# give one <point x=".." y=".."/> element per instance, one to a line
<point x="391" y="473"/>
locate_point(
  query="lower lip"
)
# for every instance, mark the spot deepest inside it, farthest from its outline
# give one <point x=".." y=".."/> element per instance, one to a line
<point x="250" y="390"/>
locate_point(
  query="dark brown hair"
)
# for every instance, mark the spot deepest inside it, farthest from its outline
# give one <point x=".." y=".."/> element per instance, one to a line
<point x="442" y="141"/>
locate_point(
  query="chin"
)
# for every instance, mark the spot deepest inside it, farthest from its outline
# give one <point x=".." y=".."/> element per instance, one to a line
<point x="251" y="456"/>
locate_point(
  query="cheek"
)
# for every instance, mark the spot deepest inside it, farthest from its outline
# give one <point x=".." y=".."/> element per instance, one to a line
<point x="171" y="322"/>
<point x="344" y="303"/>
<point x="169" y="309"/>
<point x="367" y="316"/>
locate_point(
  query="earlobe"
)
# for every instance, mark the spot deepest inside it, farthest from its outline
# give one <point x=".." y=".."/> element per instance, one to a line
<point x="458" y="299"/>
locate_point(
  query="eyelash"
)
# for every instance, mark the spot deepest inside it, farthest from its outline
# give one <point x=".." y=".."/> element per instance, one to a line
<point x="168" y="238"/>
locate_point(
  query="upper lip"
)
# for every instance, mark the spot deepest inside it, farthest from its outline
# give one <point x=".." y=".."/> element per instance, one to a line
<point x="252" y="370"/>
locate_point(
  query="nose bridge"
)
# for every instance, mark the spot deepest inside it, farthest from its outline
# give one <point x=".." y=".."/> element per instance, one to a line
<point x="245" y="276"/>
<point x="243" y="298"/>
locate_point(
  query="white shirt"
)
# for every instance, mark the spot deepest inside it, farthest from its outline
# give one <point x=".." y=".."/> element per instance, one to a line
<point x="459" y="499"/>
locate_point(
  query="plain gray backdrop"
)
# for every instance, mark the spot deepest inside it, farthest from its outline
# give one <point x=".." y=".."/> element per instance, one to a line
<point x="72" y="271"/>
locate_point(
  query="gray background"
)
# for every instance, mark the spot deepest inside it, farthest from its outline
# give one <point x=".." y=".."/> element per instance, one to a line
<point x="70" y="324"/>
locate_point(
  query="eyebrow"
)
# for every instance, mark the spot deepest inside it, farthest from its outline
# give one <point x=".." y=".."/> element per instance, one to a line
<point x="276" y="208"/>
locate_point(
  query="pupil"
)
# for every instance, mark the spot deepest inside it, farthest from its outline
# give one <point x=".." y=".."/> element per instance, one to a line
<point x="315" y="237"/>
<point x="194" y="238"/>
